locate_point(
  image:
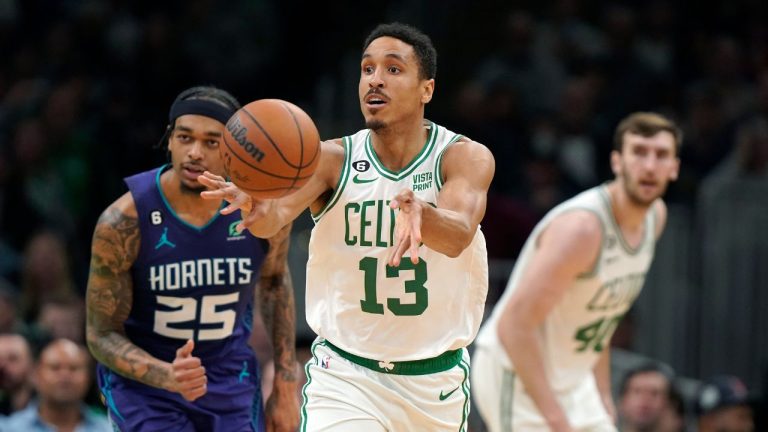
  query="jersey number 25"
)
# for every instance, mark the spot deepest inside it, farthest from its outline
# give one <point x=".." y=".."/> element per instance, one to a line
<point x="185" y="311"/>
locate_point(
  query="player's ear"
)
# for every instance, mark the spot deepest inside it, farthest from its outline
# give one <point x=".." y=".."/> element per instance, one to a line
<point x="616" y="162"/>
<point x="427" y="89"/>
<point x="675" y="170"/>
<point x="168" y="135"/>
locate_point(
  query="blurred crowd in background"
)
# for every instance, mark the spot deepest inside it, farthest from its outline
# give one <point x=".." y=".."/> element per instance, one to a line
<point x="85" y="87"/>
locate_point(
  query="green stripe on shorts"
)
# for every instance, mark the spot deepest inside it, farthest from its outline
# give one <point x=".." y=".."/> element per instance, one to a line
<point x="441" y="363"/>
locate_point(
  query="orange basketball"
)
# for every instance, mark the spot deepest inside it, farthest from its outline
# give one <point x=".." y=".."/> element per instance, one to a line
<point x="271" y="148"/>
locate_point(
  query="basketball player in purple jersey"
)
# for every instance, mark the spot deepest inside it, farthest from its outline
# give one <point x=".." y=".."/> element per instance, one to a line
<point x="171" y="290"/>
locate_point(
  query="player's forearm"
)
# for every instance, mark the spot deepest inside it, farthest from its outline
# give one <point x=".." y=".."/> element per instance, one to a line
<point x="446" y="231"/>
<point x="278" y="314"/>
<point x="119" y="354"/>
<point x="267" y="222"/>
<point x="524" y="349"/>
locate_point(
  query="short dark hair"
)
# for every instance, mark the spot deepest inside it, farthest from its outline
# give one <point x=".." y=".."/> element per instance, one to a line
<point x="211" y="94"/>
<point x="646" y="124"/>
<point x="649" y="367"/>
<point x="206" y="93"/>
<point x="421" y="43"/>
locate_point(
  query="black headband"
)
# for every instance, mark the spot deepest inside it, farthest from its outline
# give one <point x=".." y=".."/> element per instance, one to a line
<point x="200" y="107"/>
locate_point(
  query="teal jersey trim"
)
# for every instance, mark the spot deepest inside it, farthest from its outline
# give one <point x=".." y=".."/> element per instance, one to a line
<point x="173" y="212"/>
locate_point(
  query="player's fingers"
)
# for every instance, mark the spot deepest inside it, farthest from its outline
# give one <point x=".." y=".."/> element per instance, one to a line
<point x="237" y="201"/>
<point x="186" y="349"/>
<point x="414" y="251"/>
<point x="217" y="194"/>
<point x="193" y="383"/>
<point x="188" y="374"/>
<point x="392" y="259"/>
<point x="186" y="363"/>
<point x="403" y="198"/>
<point x="400" y="249"/>
<point x="195" y="393"/>
<point x="212" y="182"/>
<point x="207" y="181"/>
<point x="415" y="236"/>
<point x="213" y="177"/>
<point x="251" y="218"/>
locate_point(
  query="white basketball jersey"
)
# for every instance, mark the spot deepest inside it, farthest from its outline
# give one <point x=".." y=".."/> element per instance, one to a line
<point x="581" y="324"/>
<point x="363" y="306"/>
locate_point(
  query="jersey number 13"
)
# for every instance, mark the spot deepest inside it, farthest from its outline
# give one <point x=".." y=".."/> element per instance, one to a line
<point x="370" y="304"/>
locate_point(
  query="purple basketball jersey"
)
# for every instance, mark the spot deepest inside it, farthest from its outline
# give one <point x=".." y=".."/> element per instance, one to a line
<point x="190" y="283"/>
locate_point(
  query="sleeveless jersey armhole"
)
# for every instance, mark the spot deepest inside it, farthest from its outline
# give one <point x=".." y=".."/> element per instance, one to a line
<point x="596" y="265"/>
<point x="438" y="174"/>
<point x="343" y="177"/>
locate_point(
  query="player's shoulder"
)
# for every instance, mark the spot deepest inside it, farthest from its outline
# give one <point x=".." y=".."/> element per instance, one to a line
<point x="117" y="231"/>
<point x="466" y="144"/>
<point x="577" y="225"/>
<point x="333" y="149"/>
<point x="468" y="158"/>
<point x="123" y="207"/>
<point x="333" y="144"/>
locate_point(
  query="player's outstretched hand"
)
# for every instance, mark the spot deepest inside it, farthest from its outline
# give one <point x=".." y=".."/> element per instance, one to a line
<point x="220" y="189"/>
<point x="407" y="227"/>
<point x="189" y="373"/>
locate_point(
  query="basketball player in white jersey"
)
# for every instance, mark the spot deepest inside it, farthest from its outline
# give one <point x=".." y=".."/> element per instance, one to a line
<point x="397" y="273"/>
<point x="542" y="358"/>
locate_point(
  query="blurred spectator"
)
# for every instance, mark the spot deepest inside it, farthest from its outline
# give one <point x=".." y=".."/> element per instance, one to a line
<point x="673" y="416"/>
<point x="724" y="405"/>
<point x="749" y="158"/>
<point x="524" y="64"/>
<point x="15" y="373"/>
<point x="63" y="318"/>
<point x="61" y="379"/>
<point x="723" y="62"/>
<point x="9" y="321"/>
<point x="644" y="398"/>
<point x="45" y="273"/>
<point x="656" y="46"/>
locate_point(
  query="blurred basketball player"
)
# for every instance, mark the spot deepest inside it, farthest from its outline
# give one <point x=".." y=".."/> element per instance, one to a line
<point x="542" y="358"/>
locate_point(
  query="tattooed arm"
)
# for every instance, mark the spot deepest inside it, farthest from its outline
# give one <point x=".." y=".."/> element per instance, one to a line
<point x="109" y="298"/>
<point x="279" y="315"/>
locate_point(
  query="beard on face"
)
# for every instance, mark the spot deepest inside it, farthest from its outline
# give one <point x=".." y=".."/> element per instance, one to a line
<point x="630" y="188"/>
<point x="375" y="125"/>
<point x="191" y="190"/>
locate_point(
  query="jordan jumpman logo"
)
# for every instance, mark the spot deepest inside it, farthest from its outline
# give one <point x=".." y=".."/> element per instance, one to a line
<point x="244" y="373"/>
<point x="164" y="240"/>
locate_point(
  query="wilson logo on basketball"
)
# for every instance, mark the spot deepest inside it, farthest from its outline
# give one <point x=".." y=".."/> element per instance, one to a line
<point x="239" y="133"/>
<point x="270" y="149"/>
